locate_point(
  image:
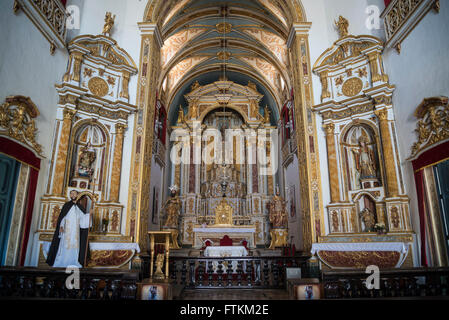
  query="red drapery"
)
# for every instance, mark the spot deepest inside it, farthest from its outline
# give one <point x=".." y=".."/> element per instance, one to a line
<point x="429" y="158"/>
<point x="387" y="2"/>
<point x="24" y="155"/>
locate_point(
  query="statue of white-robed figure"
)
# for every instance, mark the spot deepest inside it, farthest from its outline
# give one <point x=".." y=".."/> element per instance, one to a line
<point x="69" y="244"/>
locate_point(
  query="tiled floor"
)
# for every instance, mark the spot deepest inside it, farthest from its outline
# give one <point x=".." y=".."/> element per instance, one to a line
<point x="231" y="294"/>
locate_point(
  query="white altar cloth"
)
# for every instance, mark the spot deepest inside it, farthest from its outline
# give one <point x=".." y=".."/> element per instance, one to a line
<point x="226" y="251"/>
<point x="94" y="246"/>
<point x="365" y="246"/>
<point x="224" y="229"/>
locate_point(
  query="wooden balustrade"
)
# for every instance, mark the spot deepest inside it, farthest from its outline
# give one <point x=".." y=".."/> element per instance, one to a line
<point x="233" y="272"/>
<point x="94" y="284"/>
<point x="396" y="283"/>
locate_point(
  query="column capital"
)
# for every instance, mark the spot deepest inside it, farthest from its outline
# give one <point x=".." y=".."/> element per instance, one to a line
<point x="330" y="128"/>
<point x="382" y="114"/>
<point x="149" y="28"/>
<point x="298" y="29"/>
<point x="68" y="113"/>
<point x="120" y="128"/>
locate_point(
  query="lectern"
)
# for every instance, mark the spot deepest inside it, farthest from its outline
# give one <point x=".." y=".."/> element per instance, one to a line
<point x="159" y="237"/>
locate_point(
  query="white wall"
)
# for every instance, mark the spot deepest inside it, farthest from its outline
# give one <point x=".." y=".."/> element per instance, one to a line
<point x="28" y="69"/>
<point x="420" y="71"/>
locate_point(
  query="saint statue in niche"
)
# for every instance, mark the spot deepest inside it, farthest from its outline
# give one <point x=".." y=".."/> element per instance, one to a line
<point x="172" y="208"/>
<point x="86" y="159"/>
<point x="365" y="159"/>
<point x="368" y="219"/>
<point x="278" y="212"/>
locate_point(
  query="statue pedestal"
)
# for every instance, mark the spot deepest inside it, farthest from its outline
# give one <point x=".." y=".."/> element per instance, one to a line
<point x="278" y="238"/>
<point x="368" y="183"/>
<point x="173" y="238"/>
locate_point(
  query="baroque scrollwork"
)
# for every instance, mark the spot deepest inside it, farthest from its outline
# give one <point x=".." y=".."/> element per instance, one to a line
<point x="17" y="121"/>
<point x="433" y="124"/>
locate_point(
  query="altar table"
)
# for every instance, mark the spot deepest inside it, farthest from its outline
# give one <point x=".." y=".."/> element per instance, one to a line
<point x="385" y="255"/>
<point x="226" y="251"/>
<point x="213" y="233"/>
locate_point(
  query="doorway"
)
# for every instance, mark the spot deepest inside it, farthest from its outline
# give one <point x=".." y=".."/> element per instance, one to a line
<point x="9" y="172"/>
<point x="441" y="172"/>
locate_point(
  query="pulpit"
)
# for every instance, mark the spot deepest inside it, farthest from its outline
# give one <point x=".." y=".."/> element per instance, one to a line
<point x="224" y="227"/>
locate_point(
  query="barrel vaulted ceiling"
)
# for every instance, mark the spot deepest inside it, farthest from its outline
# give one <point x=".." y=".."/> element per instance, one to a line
<point x="244" y="39"/>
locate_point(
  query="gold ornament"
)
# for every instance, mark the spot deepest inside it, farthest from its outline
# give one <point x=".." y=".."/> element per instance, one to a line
<point x="224" y="55"/>
<point x="223" y="213"/>
<point x="98" y="87"/>
<point x="17" y="121"/>
<point x="342" y="25"/>
<point x="278" y="212"/>
<point x="224" y="27"/>
<point x="433" y="126"/>
<point x="352" y="87"/>
<point x="109" y="23"/>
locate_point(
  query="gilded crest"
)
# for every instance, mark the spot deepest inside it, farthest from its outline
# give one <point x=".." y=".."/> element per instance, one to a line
<point x="17" y="121"/>
<point x="98" y="87"/>
<point x="352" y="87"/>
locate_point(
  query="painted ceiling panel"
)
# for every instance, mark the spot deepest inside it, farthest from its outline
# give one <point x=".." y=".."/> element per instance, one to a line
<point x="247" y="38"/>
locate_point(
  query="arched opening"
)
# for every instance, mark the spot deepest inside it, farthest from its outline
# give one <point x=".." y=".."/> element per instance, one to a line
<point x="199" y="58"/>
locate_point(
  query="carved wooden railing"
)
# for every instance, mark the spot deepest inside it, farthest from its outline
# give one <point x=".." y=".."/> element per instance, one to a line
<point x="50" y="18"/>
<point x="401" y="16"/>
<point x="288" y="149"/>
<point x="243" y="272"/>
<point x="34" y="283"/>
<point x="159" y="151"/>
<point x="398" y="283"/>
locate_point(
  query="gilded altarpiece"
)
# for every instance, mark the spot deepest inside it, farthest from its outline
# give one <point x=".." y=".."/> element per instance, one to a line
<point x="299" y="72"/>
<point x="368" y="202"/>
<point x="220" y="106"/>
<point x="87" y="151"/>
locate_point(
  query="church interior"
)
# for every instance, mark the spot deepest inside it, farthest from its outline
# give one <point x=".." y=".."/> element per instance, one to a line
<point x="239" y="149"/>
